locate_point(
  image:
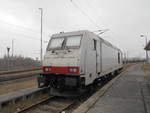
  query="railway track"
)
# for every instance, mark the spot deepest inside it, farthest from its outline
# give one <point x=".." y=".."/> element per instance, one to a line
<point x="59" y="104"/>
<point x="18" y="71"/>
<point x="18" y="75"/>
<point x="50" y="105"/>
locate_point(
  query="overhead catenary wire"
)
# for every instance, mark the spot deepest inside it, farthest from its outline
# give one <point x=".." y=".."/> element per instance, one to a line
<point x="89" y="5"/>
<point x="19" y="27"/>
<point x="29" y="37"/>
<point x="26" y="36"/>
<point x="85" y="14"/>
<point x="23" y="28"/>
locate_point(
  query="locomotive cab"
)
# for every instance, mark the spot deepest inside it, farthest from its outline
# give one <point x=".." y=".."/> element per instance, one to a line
<point x="62" y="63"/>
<point x="62" y="55"/>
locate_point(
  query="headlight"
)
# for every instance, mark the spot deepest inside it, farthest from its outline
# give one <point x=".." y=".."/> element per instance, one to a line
<point x="74" y="69"/>
<point x="47" y="69"/>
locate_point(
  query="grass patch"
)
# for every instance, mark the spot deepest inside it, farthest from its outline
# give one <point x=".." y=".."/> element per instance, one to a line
<point x="8" y="88"/>
<point x="147" y="77"/>
<point x="146" y="67"/>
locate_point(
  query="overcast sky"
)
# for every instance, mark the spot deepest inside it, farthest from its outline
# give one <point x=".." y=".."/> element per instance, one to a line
<point x="125" y="19"/>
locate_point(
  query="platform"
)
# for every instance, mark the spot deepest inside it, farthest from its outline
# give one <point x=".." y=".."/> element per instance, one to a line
<point x="130" y="93"/>
<point x="14" y="97"/>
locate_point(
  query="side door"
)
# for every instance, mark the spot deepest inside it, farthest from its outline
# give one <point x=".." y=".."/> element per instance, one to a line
<point x="98" y="57"/>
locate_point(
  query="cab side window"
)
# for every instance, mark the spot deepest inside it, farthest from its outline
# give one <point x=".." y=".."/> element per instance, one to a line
<point x="94" y="44"/>
<point x="118" y="57"/>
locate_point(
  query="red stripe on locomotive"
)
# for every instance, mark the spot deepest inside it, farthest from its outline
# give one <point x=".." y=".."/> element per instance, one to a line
<point x="61" y="70"/>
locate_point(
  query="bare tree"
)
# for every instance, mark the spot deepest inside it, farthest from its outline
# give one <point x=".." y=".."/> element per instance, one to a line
<point x="17" y="62"/>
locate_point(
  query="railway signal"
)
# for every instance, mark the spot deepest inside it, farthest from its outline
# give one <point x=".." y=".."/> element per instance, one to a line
<point x="8" y="50"/>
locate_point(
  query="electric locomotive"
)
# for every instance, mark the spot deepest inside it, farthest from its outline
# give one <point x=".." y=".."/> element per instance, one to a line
<point x="75" y="60"/>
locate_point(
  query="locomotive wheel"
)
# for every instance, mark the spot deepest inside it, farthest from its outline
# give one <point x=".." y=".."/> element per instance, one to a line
<point x="91" y="89"/>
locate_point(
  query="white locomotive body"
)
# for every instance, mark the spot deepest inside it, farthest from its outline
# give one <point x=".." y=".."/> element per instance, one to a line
<point x="77" y="59"/>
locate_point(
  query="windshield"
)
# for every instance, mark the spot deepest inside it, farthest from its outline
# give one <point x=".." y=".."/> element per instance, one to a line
<point x="64" y="42"/>
<point x="73" y="41"/>
<point x="56" y="43"/>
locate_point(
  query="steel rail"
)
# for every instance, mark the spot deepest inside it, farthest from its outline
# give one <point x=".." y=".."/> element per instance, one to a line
<point x="24" y="110"/>
<point x="67" y="107"/>
<point x="34" y="105"/>
<point x="18" y="71"/>
<point x="16" y="77"/>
